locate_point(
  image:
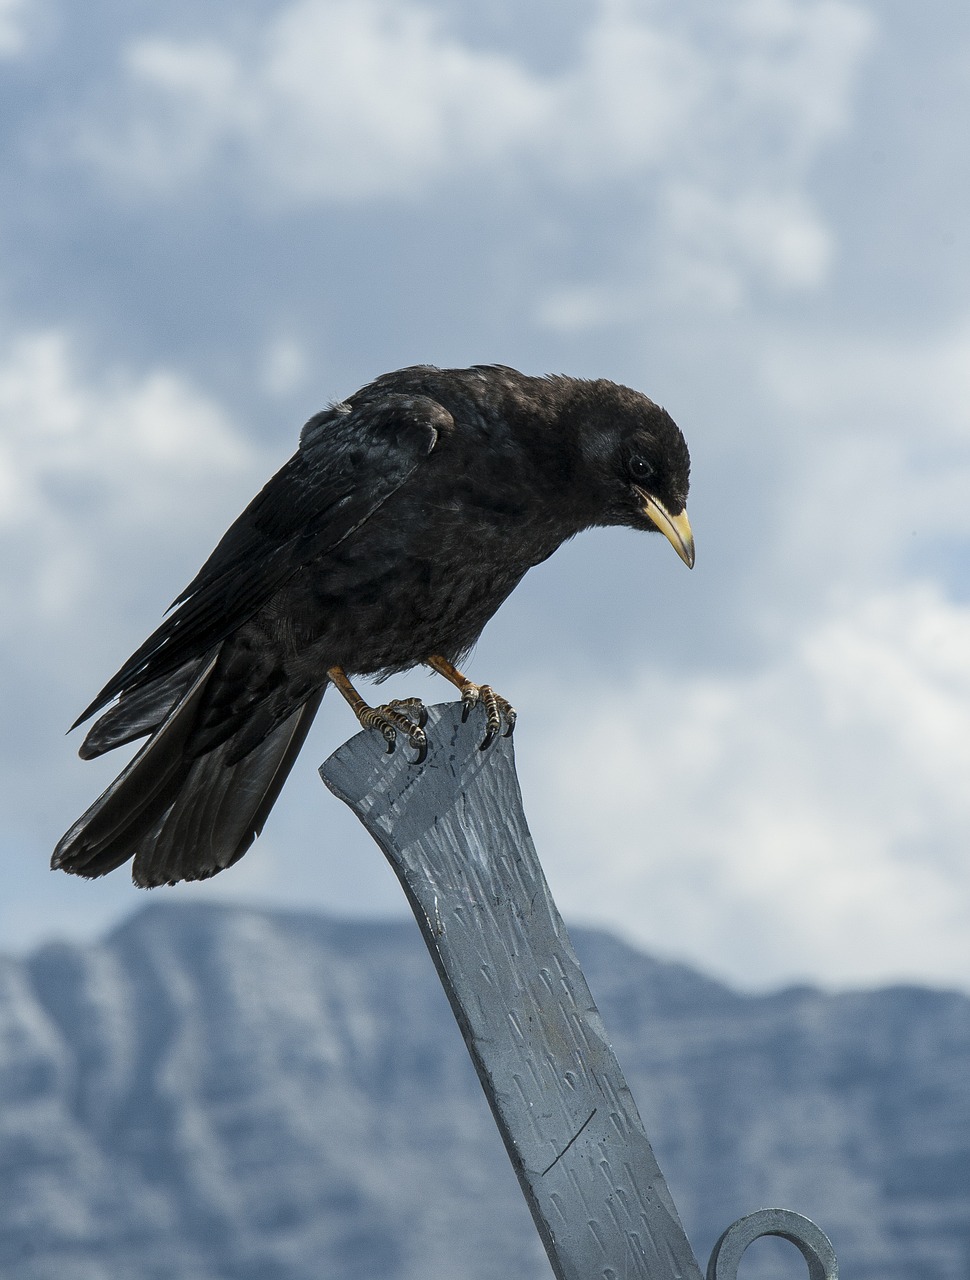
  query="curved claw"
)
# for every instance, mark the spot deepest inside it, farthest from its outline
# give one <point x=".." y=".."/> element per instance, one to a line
<point x="390" y="722"/>
<point x="470" y="697"/>
<point x="495" y="708"/>
<point x="413" y="708"/>
<point x="397" y="716"/>
<point x="402" y="709"/>
<point x="418" y="710"/>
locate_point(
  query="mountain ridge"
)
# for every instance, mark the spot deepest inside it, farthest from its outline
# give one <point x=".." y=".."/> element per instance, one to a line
<point x="230" y="1092"/>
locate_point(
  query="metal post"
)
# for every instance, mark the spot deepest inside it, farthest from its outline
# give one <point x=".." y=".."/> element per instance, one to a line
<point x="453" y="828"/>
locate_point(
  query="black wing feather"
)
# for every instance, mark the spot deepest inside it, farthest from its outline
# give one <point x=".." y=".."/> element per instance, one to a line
<point x="351" y="459"/>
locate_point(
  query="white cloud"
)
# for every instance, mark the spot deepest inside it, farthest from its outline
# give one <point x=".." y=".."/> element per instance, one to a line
<point x="344" y="100"/>
<point x="580" y="308"/>
<point x="284" y="366"/>
<point x="807" y="819"/>
<point x="13" y="35"/>
<point x="913" y="381"/>
<point x="796" y="65"/>
<point x="774" y="237"/>
<point x="92" y="459"/>
<point x="708" y="121"/>
<point x="874" y="435"/>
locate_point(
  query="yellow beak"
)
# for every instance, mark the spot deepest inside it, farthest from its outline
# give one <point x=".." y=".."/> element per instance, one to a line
<point x="676" y="529"/>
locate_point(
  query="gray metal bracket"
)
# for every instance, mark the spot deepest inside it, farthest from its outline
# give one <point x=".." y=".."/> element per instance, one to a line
<point x="454" y="830"/>
<point x="812" y="1243"/>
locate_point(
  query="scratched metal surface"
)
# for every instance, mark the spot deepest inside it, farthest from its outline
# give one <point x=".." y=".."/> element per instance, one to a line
<point x="455" y="832"/>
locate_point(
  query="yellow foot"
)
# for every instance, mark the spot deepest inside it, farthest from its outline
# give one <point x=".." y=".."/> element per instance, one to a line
<point x="496" y="707"/>
<point x="402" y="715"/>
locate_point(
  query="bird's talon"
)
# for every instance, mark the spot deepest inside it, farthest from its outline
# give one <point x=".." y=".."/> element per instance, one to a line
<point x="416" y="709"/>
<point x="410" y="707"/>
<point x="493" y="716"/>
<point x="496" y="707"/>
<point x="391" y="721"/>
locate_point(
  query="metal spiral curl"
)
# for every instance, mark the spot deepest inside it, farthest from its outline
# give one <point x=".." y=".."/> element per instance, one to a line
<point x="812" y="1243"/>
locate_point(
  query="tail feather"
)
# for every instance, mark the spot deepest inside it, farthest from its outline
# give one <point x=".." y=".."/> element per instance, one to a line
<point x="221" y="806"/>
<point x="139" y="712"/>
<point x="107" y="834"/>
<point x="182" y="816"/>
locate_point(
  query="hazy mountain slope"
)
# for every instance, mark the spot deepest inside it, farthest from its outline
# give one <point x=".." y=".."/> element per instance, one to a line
<point x="226" y="1093"/>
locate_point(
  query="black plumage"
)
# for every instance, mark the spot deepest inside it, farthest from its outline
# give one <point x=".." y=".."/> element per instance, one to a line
<point x="407" y="515"/>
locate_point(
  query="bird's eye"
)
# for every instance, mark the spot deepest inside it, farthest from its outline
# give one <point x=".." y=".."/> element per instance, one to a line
<point x="640" y="468"/>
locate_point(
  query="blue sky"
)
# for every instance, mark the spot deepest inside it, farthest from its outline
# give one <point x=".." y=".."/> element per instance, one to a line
<point x="214" y="219"/>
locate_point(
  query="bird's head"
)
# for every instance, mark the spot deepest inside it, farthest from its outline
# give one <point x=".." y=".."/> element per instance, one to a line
<point x="637" y="465"/>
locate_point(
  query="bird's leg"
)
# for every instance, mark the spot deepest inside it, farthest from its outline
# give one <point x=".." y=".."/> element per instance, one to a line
<point x="495" y="705"/>
<point x="389" y="718"/>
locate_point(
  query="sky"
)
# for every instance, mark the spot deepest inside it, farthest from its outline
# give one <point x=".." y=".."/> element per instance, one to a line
<point x="216" y="219"/>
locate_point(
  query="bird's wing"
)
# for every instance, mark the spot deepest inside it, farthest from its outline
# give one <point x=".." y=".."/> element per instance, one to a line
<point x="351" y="459"/>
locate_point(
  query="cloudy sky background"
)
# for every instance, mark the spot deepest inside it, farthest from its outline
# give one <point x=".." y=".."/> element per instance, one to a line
<point x="214" y="219"/>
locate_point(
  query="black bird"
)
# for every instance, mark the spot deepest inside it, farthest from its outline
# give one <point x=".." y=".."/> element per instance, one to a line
<point x="407" y="515"/>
